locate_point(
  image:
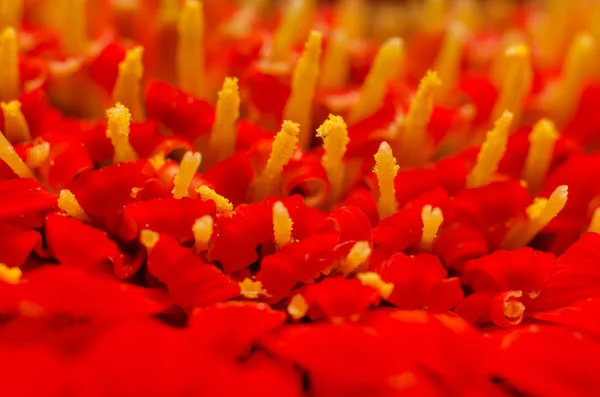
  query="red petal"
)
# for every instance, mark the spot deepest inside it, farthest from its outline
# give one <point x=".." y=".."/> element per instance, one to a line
<point x="17" y="244"/>
<point x="23" y="196"/>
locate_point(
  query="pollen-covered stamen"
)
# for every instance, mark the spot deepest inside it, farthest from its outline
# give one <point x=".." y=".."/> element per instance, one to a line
<point x="283" y="148"/>
<point x="12" y="159"/>
<point x="10" y="275"/>
<point x="203" y="230"/>
<point x="297" y="17"/>
<point x="223" y="135"/>
<point x="16" y="129"/>
<point x="282" y="225"/>
<point x="350" y="17"/>
<point x="386" y="170"/>
<point x="129" y="81"/>
<point x="73" y="26"/>
<point x="298" y="107"/>
<point x="517" y="81"/>
<point x="224" y="206"/>
<point x="448" y="62"/>
<point x="187" y="169"/>
<point x="373" y="280"/>
<point x="411" y="142"/>
<point x="541" y="148"/>
<point x="11" y="12"/>
<point x="358" y="255"/>
<point x="251" y="289"/>
<point x="9" y="58"/>
<point x="149" y="239"/>
<point x="594" y="226"/>
<point x="336" y="66"/>
<point x="434" y="16"/>
<point x="119" y="120"/>
<point x="37" y="154"/>
<point x="191" y="65"/>
<point x="385" y="67"/>
<point x="432" y="220"/>
<point x="335" y="141"/>
<point x="491" y="152"/>
<point x="297" y="307"/>
<point x="69" y="204"/>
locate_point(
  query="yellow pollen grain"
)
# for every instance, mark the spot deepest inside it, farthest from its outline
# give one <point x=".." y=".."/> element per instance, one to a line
<point x="372" y="279"/>
<point x="336" y="66"/>
<point x="432" y="220"/>
<point x="298" y="107"/>
<point x="187" y="169"/>
<point x="11" y="12"/>
<point x="9" y="58"/>
<point x="297" y="307"/>
<point x="386" y="170"/>
<point x="73" y="26"/>
<point x="16" y="128"/>
<point x="37" y="154"/>
<point x="491" y="152"/>
<point x="191" y="63"/>
<point x="517" y="81"/>
<point x="12" y="159"/>
<point x="68" y="203"/>
<point x="128" y="89"/>
<point x="542" y="139"/>
<point x="594" y="226"/>
<point x="203" y="230"/>
<point x="385" y="67"/>
<point x="448" y="62"/>
<point x="224" y="206"/>
<point x="358" y="255"/>
<point x="119" y="120"/>
<point x="223" y="135"/>
<point x="297" y="17"/>
<point x="282" y="225"/>
<point x="149" y="239"/>
<point x="335" y="142"/>
<point x="10" y="275"/>
<point x="250" y="289"/>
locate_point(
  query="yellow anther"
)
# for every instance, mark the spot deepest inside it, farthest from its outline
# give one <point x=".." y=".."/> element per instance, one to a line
<point x="595" y="223"/>
<point x="434" y="16"/>
<point x="68" y="203"/>
<point x="448" y="61"/>
<point x="336" y="67"/>
<point x="516" y="81"/>
<point x="16" y="129"/>
<point x="541" y="148"/>
<point x="191" y="63"/>
<point x="223" y="136"/>
<point x="297" y="307"/>
<point x="282" y="225"/>
<point x="187" y="169"/>
<point x="12" y="159"/>
<point x="119" y="120"/>
<point x="351" y="17"/>
<point x="432" y="220"/>
<point x="335" y="141"/>
<point x="11" y="12"/>
<point x="224" y="206"/>
<point x="250" y="289"/>
<point x="129" y="82"/>
<point x="386" y="170"/>
<point x="283" y="148"/>
<point x="149" y="239"/>
<point x="37" y="154"/>
<point x="358" y="255"/>
<point x="203" y="231"/>
<point x="10" y="275"/>
<point x="373" y="279"/>
<point x="297" y="17"/>
<point x="298" y="107"/>
<point x="9" y="57"/>
<point x="73" y="26"/>
<point x="491" y="153"/>
<point x="385" y="67"/>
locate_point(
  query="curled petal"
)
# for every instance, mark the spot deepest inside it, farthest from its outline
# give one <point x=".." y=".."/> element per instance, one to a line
<point x="16" y="244"/>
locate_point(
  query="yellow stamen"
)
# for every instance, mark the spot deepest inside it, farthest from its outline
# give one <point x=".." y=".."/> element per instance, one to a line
<point x="516" y="81"/>
<point x="469" y="13"/>
<point x="432" y="220"/>
<point x="119" y="120"/>
<point x="373" y="279"/>
<point x="386" y="170"/>
<point x="541" y="148"/>
<point x="491" y="152"/>
<point x="37" y="154"/>
<point x="385" y="67"/>
<point x="224" y="206"/>
<point x="11" y="12"/>
<point x="203" y="231"/>
<point x="10" y="275"/>
<point x="149" y="239"/>
<point x="351" y="17"/>
<point x="68" y="203"/>
<point x="187" y="169"/>
<point x="250" y="289"/>
<point x="434" y="16"/>
<point x="9" y="57"/>
<point x="297" y="17"/>
<point x="16" y="129"/>
<point x="336" y="67"/>
<point x="73" y="26"/>
<point x="551" y="36"/>
<point x="129" y="82"/>
<point x="358" y="255"/>
<point x="297" y="307"/>
<point x="448" y="62"/>
<point x="335" y="141"/>
<point x="12" y="159"/>
<point x="283" y="148"/>
<point x="595" y="223"/>
<point x="282" y="225"/>
<point x="298" y="108"/>
<point x="412" y="139"/>
<point x="241" y="23"/>
<point x="191" y="65"/>
<point x="223" y="136"/>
